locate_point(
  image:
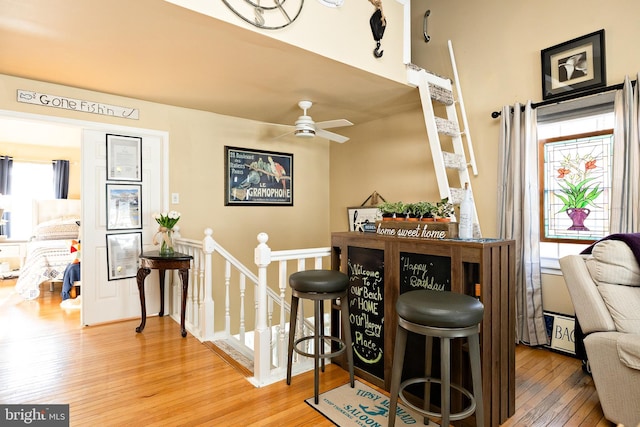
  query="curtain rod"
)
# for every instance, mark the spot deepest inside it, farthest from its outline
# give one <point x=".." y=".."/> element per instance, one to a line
<point x="596" y="91"/>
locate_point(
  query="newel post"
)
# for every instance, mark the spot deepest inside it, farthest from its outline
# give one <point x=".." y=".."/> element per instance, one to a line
<point x="262" y="347"/>
<point x="207" y="314"/>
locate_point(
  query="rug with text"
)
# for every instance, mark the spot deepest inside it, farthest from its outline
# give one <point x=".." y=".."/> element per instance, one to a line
<point x="360" y="406"/>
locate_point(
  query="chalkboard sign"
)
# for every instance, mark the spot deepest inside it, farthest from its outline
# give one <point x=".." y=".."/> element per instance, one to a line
<point x="422" y="271"/>
<point x="366" y="308"/>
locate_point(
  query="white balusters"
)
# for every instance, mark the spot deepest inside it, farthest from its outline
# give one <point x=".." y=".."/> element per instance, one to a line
<point x="262" y="349"/>
<point x="227" y="303"/>
<point x="243" y="286"/>
<point x="268" y="340"/>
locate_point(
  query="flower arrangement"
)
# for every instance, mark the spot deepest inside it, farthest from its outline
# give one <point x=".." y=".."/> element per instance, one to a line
<point x="577" y="186"/>
<point x="166" y="220"/>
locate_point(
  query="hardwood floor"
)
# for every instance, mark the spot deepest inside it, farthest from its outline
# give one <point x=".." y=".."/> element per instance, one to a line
<point x="112" y="376"/>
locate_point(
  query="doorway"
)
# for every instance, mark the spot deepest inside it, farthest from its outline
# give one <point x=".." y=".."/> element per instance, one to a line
<point x="23" y="128"/>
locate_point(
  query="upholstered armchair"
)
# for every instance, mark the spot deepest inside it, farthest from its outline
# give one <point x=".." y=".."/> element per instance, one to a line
<point x="605" y="291"/>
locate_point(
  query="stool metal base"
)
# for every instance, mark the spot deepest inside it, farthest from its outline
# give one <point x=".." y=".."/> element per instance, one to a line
<point x="452" y="417"/>
<point x="319" y="336"/>
<point x="445" y="335"/>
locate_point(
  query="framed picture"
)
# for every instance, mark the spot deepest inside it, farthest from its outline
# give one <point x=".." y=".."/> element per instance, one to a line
<point x="124" y="158"/>
<point x="363" y="218"/>
<point x="256" y="177"/>
<point x="574" y="66"/>
<point x="576" y="175"/>
<point x="123" y="251"/>
<point x="124" y="207"/>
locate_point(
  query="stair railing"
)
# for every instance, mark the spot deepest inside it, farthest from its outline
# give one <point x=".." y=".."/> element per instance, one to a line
<point x="263" y="341"/>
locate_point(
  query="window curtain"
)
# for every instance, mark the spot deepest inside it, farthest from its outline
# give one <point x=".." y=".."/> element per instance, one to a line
<point x="6" y="165"/>
<point x="61" y="179"/>
<point x="519" y="216"/>
<point x="625" y="188"/>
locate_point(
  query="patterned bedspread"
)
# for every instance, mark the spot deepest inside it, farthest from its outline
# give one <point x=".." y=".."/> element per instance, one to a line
<point x="45" y="261"/>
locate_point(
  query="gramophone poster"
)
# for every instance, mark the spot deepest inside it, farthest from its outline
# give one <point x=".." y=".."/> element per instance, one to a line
<point x="257" y="177"/>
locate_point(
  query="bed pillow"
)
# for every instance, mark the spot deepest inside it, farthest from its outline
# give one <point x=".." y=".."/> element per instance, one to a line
<point x="57" y="229"/>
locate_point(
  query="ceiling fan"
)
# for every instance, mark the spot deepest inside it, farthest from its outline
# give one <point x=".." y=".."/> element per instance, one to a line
<point x="305" y="127"/>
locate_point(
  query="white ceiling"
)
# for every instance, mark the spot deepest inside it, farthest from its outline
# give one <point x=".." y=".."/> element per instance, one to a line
<point x="156" y="51"/>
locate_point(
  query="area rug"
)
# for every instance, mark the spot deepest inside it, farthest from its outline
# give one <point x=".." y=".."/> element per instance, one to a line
<point x="360" y="406"/>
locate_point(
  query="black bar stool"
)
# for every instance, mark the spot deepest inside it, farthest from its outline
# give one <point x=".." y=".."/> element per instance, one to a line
<point x="444" y="315"/>
<point x="319" y="285"/>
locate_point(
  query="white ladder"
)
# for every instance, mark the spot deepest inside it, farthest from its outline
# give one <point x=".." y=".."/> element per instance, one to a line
<point x="438" y="89"/>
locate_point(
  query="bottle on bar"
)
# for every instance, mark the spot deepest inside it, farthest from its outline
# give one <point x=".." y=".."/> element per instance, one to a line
<point x="465" y="229"/>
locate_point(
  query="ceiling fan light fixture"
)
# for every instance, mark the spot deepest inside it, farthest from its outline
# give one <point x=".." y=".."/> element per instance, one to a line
<point x="305" y="133"/>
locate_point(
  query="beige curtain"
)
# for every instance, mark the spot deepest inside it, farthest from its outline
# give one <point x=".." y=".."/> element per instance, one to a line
<point x="519" y="213"/>
<point x="625" y="214"/>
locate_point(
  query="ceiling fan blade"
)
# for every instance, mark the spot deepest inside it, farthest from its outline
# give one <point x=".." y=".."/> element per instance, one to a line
<point x="282" y="135"/>
<point x="333" y="124"/>
<point x="331" y="136"/>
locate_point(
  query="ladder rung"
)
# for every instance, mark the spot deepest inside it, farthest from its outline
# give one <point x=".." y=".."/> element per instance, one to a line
<point x="454" y="161"/>
<point x="440" y="94"/>
<point x="447" y="127"/>
<point x="457" y="194"/>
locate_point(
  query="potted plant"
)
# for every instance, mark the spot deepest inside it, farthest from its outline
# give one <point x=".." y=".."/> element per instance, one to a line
<point x="400" y="211"/>
<point x="444" y="210"/>
<point x="392" y="211"/>
<point x="388" y="210"/>
<point x="413" y="211"/>
<point x="425" y="210"/>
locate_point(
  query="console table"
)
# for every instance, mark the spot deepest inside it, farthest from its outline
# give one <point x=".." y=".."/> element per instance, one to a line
<point x="153" y="260"/>
<point x="381" y="267"/>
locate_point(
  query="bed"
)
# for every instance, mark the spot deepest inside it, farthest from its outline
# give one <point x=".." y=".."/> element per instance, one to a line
<point x="56" y="224"/>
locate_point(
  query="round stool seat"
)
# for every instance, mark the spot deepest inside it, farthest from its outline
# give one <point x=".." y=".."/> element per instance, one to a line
<point x="439" y="309"/>
<point x="319" y="281"/>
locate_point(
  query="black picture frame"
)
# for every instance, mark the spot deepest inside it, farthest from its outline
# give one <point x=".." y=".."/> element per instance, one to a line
<point x="124" y="206"/>
<point x="123" y="251"/>
<point x="257" y="177"/>
<point x="124" y="158"/>
<point x="574" y="66"/>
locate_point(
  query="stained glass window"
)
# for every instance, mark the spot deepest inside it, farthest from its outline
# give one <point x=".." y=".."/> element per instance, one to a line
<point x="576" y="187"/>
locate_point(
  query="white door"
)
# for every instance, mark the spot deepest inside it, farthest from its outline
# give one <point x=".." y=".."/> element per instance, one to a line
<point x="105" y="300"/>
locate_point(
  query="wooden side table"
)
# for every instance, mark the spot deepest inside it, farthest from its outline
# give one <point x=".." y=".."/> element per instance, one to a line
<point x="153" y="260"/>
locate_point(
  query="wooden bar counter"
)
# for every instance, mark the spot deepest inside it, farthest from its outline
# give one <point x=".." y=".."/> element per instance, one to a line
<point x="380" y="268"/>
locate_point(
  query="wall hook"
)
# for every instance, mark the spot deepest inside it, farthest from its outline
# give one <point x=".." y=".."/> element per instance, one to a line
<point x="427" y="37"/>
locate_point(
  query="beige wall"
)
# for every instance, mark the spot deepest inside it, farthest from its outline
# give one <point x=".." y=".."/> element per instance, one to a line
<point x="342" y="34"/>
<point x="196" y="148"/>
<point x="497" y="46"/>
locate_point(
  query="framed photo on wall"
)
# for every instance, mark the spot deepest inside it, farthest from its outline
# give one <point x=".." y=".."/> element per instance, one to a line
<point x="124" y="206"/>
<point x="256" y="177"/>
<point x="124" y="158"/>
<point x="574" y="66"/>
<point x="123" y="251"/>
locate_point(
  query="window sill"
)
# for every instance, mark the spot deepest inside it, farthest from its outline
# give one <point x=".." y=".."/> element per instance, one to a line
<point x="550" y="266"/>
